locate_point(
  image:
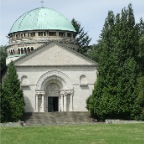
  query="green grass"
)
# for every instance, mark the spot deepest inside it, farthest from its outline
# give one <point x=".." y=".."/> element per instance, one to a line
<point x="75" y="134"/>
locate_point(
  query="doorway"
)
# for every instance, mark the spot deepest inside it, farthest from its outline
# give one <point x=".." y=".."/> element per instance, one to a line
<point x="52" y="104"/>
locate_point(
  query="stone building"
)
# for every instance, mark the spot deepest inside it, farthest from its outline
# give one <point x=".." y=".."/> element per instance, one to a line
<point x="54" y="77"/>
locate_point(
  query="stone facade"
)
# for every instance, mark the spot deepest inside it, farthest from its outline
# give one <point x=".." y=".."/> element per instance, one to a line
<point x="57" y="74"/>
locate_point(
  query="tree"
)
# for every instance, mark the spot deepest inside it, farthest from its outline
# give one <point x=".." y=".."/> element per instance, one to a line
<point x="12" y="100"/>
<point x="95" y="50"/>
<point x="3" y="56"/>
<point x="114" y="93"/>
<point x="139" y="103"/>
<point x="82" y="37"/>
<point x="141" y="44"/>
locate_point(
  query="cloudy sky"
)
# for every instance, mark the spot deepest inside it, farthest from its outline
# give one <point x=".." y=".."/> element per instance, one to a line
<point x="90" y="13"/>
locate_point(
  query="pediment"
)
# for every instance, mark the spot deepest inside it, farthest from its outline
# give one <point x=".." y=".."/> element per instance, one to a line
<point x="54" y="54"/>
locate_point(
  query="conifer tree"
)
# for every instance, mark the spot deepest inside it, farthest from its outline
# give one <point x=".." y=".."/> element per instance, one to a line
<point x="12" y="100"/>
<point x="94" y="52"/>
<point x="2" y="61"/>
<point x="82" y="37"/>
<point x="141" y="44"/>
<point x="114" y="93"/>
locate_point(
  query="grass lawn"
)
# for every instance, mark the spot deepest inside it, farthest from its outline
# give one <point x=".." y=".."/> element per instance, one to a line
<point x="75" y="134"/>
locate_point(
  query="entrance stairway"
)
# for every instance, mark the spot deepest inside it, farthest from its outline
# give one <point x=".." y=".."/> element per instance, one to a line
<point x="57" y="118"/>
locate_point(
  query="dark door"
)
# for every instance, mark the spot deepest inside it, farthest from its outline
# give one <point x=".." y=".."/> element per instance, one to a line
<point x="52" y="104"/>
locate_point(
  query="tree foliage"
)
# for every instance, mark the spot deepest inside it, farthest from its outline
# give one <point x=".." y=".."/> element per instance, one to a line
<point x="141" y="44"/>
<point x="115" y="92"/>
<point x="95" y="50"/>
<point x="3" y="56"/>
<point x="82" y="37"/>
<point x="12" y="100"/>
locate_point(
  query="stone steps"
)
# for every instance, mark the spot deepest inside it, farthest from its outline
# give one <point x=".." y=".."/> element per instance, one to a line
<point x="57" y="118"/>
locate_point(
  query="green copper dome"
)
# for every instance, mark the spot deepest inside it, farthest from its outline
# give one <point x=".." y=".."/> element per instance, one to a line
<point x="42" y="19"/>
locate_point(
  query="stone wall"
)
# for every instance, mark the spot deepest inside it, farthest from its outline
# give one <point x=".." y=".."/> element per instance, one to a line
<point x="118" y="121"/>
<point x="12" y="124"/>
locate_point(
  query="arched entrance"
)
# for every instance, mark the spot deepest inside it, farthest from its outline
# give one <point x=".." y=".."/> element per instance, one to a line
<point x="54" y="92"/>
<point x="53" y="97"/>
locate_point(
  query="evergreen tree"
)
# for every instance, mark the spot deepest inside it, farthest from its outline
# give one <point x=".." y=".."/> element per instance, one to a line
<point x="141" y="44"/>
<point x="3" y="56"/>
<point x="95" y="50"/>
<point x="139" y="103"/>
<point x="82" y="37"/>
<point x="114" y="93"/>
<point x="12" y="100"/>
<point x="138" y="110"/>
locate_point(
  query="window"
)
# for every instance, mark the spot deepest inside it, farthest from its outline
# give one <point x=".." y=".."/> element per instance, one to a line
<point x="32" y="34"/>
<point x="28" y="50"/>
<point x="74" y="35"/>
<point x="83" y="80"/>
<point x="52" y="33"/>
<point x="32" y="48"/>
<point x="44" y="33"/>
<point x="18" y="51"/>
<point x="61" y="34"/>
<point x="40" y="33"/>
<point x="22" y="51"/>
<point x="24" y="81"/>
<point x="25" y="50"/>
<point x="68" y="34"/>
<point x="11" y="51"/>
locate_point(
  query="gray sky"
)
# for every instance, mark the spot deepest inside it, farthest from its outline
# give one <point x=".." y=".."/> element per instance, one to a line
<point x="90" y="13"/>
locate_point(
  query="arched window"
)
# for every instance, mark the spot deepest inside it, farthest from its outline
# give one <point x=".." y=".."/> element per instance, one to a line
<point x="32" y="48"/>
<point x="28" y="50"/>
<point x="13" y="51"/>
<point x="24" y="80"/>
<point x="18" y="51"/>
<point x="22" y="51"/>
<point x="25" y="50"/>
<point x="83" y="80"/>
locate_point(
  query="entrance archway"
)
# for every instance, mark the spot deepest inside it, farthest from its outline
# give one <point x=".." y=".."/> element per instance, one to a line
<point x="57" y="92"/>
<point x="53" y="97"/>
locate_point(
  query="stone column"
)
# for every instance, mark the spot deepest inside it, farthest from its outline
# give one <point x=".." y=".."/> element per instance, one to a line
<point x="71" y="101"/>
<point x="41" y="94"/>
<point x="42" y="102"/>
<point x="36" y="103"/>
<point x="62" y="100"/>
<point x="59" y="101"/>
<point x="65" y="102"/>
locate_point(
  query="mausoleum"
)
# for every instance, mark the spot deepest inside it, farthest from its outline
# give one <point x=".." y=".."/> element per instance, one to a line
<point x="53" y="76"/>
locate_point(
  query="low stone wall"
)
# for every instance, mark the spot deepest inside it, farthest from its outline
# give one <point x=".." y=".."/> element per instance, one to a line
<point x="12" y="124"/>
<point x="118" y="121"/>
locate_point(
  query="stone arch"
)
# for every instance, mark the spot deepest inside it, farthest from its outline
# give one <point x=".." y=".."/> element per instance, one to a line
<point x="53" y="89"/>
<point x="62" y="80"/>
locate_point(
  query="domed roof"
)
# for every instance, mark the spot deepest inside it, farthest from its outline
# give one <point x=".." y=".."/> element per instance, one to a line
<point x="42" y="19"/>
